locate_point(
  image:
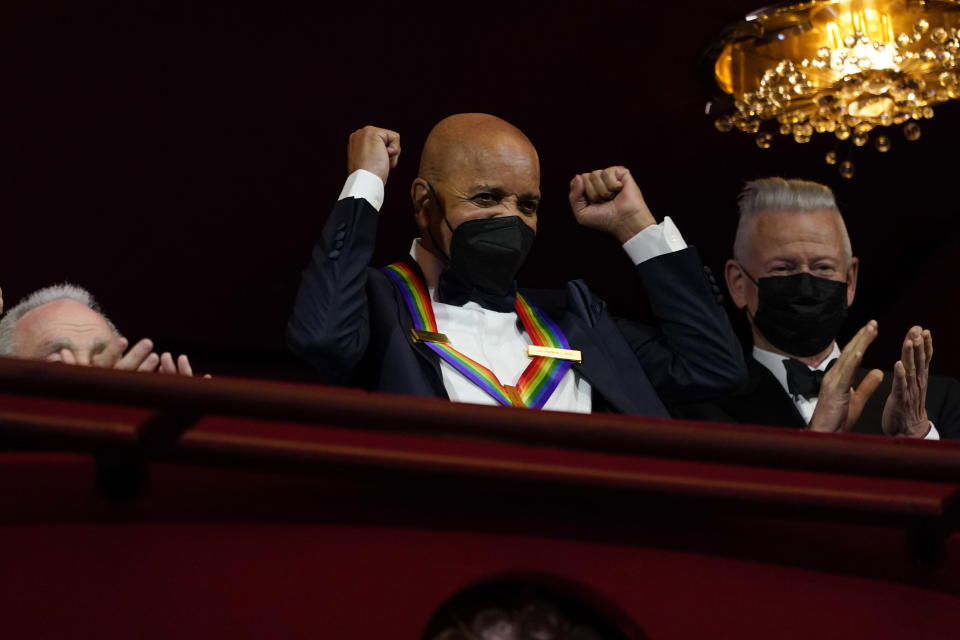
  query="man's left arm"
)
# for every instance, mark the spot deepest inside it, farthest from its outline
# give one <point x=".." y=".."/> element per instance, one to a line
<point x="694" y="352"/>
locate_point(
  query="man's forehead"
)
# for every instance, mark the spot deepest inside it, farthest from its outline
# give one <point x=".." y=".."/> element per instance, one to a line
<point x="772" y="230"/>
<point x="504" y="184"/>
<point x="510" y="170"/>
<point x="62" y="315"/>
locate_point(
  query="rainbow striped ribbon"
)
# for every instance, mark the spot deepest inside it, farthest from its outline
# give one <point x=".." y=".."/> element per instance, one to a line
<point x="538" y="380"/>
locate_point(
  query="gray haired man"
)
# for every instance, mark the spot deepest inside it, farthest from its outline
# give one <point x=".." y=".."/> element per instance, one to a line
<point x="794" y="275"/>
<point x="63" y="323"/>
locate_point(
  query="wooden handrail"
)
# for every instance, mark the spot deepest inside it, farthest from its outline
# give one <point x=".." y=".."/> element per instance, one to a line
<point x="337" y="407"/>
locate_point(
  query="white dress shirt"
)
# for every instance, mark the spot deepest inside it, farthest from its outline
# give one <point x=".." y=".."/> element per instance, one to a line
<point x="494" y="339"/>
<point x="774" y="363"/>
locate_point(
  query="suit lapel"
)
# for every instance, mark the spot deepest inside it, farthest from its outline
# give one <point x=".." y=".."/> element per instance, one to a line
<point x="764" y="401"/>
<point x="596" y="368"/>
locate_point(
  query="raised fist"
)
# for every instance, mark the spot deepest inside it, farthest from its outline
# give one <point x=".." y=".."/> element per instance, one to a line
<point x="609" y="200"/>
<point x="373" y="149"/>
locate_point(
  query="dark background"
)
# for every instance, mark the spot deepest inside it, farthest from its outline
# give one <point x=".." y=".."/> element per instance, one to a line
<point x="178" y="159"/>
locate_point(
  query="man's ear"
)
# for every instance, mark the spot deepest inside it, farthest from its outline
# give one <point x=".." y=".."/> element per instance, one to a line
<point x="852" y="272"/>
<point x="420" y="195"/>
<point x="736" y="283"/>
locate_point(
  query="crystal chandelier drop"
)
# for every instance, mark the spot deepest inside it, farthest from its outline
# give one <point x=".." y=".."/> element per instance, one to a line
<point x="839" y="67"/>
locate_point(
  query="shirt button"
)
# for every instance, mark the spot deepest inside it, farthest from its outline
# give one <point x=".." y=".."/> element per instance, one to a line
<point x="333" y="255"/>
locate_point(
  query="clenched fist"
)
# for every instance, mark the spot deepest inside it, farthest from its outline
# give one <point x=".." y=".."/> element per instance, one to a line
<point x="609" y="200"/>
<point x="373" y="149"/>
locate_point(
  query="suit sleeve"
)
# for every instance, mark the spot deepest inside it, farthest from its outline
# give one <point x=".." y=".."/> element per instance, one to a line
<point x="943" y="406"/>
<point x="330" y="323"/>
<point x="693" y="353"/>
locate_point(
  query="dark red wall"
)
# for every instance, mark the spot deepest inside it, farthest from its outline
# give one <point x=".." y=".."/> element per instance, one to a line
<point x="178" y="161"/>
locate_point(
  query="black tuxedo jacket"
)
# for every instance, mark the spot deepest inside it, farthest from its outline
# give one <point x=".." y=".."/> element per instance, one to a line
<point x="351" y="324"/>
<point x="763" y="401"/>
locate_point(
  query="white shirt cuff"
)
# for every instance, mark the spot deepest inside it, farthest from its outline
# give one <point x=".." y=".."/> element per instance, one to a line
<point x="655" y="240"/>
<point x="363" y="184"/>
<point x="933" y="434"/>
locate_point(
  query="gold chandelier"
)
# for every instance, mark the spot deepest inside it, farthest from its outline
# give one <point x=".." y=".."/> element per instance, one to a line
<point x="840" y="67"/>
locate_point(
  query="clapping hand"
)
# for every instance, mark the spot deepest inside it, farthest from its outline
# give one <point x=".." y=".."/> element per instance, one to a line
<point x="140" y="357"/>
<point x="839" y="405"/>
<point x="905" y="412"/>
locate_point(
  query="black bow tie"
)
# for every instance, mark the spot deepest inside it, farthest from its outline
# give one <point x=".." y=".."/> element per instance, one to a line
<point x="454" y="290"/>
<point x="802" y="380"/>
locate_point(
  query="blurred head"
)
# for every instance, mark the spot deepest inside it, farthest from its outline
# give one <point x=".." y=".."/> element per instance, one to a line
<point x="532" y="608"/>
<point x="787" y="228"/>
<point x="474" y="166"/>
<point x="52" y="319"/>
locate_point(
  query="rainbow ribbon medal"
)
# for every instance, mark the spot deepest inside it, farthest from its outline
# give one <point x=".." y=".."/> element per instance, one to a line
<point x="538" y="380"/>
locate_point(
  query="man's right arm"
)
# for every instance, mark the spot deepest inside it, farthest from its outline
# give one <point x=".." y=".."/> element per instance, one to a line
<point x="330" y="324"/>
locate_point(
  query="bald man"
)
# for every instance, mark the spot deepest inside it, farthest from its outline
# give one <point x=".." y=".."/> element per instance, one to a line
<point x="448" y="321"/>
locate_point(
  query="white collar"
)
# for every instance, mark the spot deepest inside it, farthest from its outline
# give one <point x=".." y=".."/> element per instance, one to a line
<point x="774" y="362"/>
<point x="430" y="264"/>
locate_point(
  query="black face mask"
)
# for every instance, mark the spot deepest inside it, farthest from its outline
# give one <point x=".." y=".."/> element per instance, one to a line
<point x="799" y="314"/>
<point x="486" y="253"/>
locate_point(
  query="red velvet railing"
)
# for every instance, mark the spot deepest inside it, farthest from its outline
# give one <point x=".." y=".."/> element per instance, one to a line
<point x="284" y="489"/>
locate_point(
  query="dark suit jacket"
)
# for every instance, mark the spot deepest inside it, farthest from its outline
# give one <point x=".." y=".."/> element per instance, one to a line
<point x="351" y="324"/>
<point x="763" y="401"/>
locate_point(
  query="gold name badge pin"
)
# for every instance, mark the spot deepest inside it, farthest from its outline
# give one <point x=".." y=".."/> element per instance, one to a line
<point x="573" y="355"/>
<point x="428" y="336"/>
